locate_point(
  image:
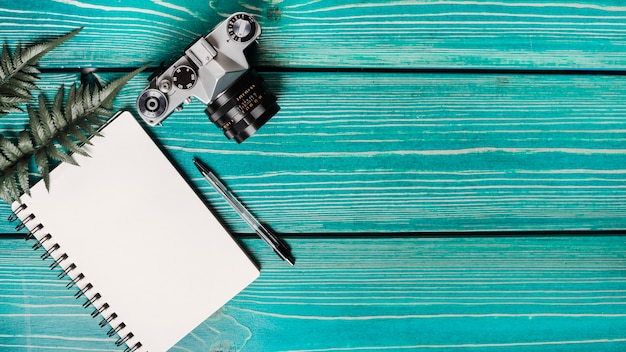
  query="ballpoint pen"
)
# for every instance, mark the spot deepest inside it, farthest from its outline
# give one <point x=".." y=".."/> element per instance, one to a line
<point x="280" y="247"/>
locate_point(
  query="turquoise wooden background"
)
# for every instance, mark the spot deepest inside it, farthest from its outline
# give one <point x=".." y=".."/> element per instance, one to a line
<point x="399" y="119"/>
<point x="363" y="294"/>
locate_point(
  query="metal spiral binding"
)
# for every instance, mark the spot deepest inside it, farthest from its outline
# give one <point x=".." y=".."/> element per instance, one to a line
<point x="16" y="212"/>
<point x="56" y="262"/>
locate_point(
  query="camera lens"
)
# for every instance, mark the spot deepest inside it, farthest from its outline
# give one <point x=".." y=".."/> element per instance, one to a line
<point x="244" y="107"/>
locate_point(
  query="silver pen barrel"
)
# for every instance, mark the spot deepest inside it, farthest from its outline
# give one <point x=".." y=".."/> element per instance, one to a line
<point x="270" y="238"/>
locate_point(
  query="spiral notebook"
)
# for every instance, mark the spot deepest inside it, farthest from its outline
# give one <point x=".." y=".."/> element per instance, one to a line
<point x="127" y="229"/>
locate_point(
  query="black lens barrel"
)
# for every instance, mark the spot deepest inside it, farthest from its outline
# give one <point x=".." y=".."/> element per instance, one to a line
<point x="244" y="107"/>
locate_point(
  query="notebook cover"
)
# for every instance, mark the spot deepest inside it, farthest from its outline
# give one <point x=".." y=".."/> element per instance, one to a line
<point x="141" y="235"/>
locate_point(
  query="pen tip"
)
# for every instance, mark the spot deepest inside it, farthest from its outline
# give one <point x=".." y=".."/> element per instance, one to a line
<point x="199" y="165"/>
<point x="291" y="260"/>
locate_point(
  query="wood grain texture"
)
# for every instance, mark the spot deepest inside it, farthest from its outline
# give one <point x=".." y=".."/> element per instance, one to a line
<point x="398" y="152"/>
<point x="516" y="34"/>
<point x="381" y="294"/>
<point x="394" y="149"/>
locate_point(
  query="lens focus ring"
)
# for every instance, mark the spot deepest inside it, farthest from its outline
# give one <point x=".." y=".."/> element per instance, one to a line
<point x="244" y="107"/>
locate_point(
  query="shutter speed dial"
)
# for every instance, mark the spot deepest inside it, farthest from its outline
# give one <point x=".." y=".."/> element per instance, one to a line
<point x="241" y="27"/>
<point x="184" y="77"/>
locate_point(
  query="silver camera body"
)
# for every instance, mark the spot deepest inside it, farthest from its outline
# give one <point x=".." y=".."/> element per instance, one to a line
<point x="214" y="69"/>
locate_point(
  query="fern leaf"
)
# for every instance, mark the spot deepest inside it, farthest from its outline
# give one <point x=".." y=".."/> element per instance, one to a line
<point x="85" y="96"/>
<point x="93" y="118"/>
<point x="24" y="143"/>
<point x="57" y="109"/>
<point x="57" y="154"/>
<point x="6" y="190"/>
<point x="5" y="193"/>
<point x="35" y="52"/>
<point x="17" y="71"/>
<point x="3" y="72"/>
<point x="69" y="103"/>
<point x="17" y="56"/>
<point x="15" y="91"/>
<point x="10" y="150"/>
<point x="87" y="128"/>
<point x="9" y="184"/>
<point x="67" y="143"/>
<point x="5" y="59"/>
<point x="45" y="118"/>
<point x="31" y="70"/>
<point x="21" y="172"/>
<point x="43" y="165"/>
<point x="36" y="130"/>
<point x="102" y="111"/>
<point x="75" y="132"/>
<point x="8" y="101"/>
<point x="4" y="163"/>
<point x="8" y="109"/>
<point x="25" y="80"/>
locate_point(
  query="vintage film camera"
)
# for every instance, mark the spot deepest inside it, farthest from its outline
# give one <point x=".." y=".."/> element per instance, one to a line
<point x="214" y="70"/>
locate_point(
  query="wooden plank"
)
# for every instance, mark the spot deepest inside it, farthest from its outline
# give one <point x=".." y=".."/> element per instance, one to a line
<point x="349" y="294"/>
<point x="404" y="152"/>
<point x="515" y="34"/>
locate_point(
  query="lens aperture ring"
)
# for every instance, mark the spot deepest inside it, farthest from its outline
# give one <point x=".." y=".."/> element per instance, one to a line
<point x="245" y="127"/>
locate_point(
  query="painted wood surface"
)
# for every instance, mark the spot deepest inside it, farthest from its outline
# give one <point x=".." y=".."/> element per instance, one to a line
<point x="399" y="152"/>
<point x="376" y="294"/>
<point x="515" y="34"/>
<point x="398" y="117"/>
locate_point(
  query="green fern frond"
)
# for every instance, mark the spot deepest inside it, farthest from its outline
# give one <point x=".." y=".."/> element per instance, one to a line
<point x="57" y="131"/>
<point x="18" y="73"/>
<point x="10" y="150"/>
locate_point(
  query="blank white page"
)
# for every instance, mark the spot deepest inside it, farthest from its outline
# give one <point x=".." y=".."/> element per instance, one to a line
<point x="140" y="235"/>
